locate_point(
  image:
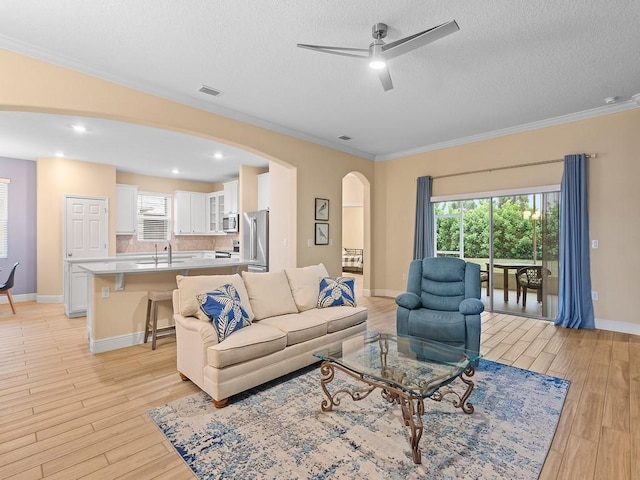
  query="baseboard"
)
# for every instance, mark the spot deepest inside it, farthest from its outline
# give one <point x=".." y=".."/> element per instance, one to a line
<point x="114" y="343"/>
<point x="601" y="324"/>
<point x="49" y="299"/>
<point x="23" y="297"/>
<point x="386" y="293"/>
<point x="619" y="327"/>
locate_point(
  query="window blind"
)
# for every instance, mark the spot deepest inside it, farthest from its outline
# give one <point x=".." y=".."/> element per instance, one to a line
<point x="154" y="217"/>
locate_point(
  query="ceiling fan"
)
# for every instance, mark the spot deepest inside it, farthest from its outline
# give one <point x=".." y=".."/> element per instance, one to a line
<point x="379" y="52"/>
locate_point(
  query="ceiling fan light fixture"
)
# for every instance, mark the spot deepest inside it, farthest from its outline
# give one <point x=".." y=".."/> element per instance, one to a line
<point x="375" y="58"/>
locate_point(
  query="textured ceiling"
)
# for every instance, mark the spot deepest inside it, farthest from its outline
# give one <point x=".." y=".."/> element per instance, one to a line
<point x="512" y="63"/>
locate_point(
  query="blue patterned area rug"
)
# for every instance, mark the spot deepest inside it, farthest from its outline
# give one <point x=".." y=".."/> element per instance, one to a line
<point x="278" y="431"/>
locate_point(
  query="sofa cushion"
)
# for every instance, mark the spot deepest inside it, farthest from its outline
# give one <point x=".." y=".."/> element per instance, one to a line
<point x="254" y="341"/>
<point x="222" y="306"/>
<point x="337" y="291"/>
<point x="304" y="283"/>
<point x="269" y="294"/>
<point x="190" y="287"/>
<point x="299" y="328"/>
<point x="339" y="318"/>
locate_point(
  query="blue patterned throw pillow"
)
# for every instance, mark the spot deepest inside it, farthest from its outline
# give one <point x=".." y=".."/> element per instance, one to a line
<point x="337" y="291"/>
<point x="224" y="309"/>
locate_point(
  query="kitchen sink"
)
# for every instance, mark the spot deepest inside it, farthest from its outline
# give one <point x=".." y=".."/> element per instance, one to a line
<point x="162" y="263"/>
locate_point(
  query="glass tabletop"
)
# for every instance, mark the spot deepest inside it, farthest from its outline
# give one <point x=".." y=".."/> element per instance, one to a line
<point x="393" y="360"/>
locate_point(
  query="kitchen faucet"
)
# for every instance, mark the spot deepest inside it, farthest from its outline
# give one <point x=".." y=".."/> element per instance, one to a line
<point x="169" y="253"/>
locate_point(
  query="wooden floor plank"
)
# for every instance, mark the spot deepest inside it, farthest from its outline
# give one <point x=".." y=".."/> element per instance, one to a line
<point x="67" y="413"/>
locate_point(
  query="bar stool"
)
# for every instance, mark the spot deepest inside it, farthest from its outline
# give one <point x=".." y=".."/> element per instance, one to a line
<point x="151" y="325"/>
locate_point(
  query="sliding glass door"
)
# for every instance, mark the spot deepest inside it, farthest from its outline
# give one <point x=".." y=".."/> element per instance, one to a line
<point x="514" y="239"/>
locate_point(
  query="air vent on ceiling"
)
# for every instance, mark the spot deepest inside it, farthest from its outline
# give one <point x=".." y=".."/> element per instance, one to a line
<point x="210" y="91"/>
<point x="344" y="137"/>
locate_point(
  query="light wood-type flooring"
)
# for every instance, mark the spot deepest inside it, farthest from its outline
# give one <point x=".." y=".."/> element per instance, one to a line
<point x="65" y="413"/>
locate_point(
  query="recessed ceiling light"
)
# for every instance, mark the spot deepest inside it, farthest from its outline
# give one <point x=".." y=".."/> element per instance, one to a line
<point x="79" y="128"/>
<point x="175" y="171"/>
<point x="218" y="156"/>
<point x="59" y="154"/>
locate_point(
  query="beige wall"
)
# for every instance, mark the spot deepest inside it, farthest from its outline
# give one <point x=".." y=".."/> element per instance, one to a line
<point x="55" y="178"/>
<point x="320" y="169"/>
<point x="147" y="183"/>
<point x="612" y="189"/>
<point x="352" y="212"/>
<point x="613" y="194"/>
<point x="282" y="217"/>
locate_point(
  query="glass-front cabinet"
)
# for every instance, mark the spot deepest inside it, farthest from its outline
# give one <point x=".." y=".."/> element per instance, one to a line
<point x="216" y="212"/>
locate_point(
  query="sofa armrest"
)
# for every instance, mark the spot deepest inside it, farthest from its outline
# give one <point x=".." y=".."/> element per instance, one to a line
<point x="193" y="338"/>
<point x="471" y="306"/>
<point x="409" y="300"/>
<point x="205" y="330"/>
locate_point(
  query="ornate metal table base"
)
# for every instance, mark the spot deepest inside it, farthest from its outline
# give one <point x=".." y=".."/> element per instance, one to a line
<point x="412" y="405"/>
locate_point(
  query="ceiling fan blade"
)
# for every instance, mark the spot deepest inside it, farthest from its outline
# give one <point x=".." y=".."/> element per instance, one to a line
<point x="385" y="78"/>
<point x="404" y="45"/>
<point x="336" y="50"/>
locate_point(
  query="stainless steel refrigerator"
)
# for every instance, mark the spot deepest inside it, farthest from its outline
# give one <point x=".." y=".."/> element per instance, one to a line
<point x="255" y="239"/>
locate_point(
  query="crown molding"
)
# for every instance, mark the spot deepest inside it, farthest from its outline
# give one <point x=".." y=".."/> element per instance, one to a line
<point x="67" y="62"/>
<point x="550" y="122"/>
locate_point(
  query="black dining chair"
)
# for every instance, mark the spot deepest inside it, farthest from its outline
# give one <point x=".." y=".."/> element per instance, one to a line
<point x="530" y="277"/>
<point x="5" y="288"/>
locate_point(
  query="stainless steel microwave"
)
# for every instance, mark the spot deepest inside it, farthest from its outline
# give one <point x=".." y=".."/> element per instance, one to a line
<point x="230" y="222"/>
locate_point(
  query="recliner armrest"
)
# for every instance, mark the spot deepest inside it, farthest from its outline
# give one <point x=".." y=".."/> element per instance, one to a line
<point x="471" y="306"/>
<point x="409" y="300"/>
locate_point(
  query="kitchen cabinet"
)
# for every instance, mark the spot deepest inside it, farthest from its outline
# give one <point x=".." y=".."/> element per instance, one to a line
<point x="75" y="291"/>
<point x="126" y="209"/>
<point x="231" y="197"/>
<point x="215" y="208"/>
<point x="263" y="191"/>
<point x="190" y="213"/>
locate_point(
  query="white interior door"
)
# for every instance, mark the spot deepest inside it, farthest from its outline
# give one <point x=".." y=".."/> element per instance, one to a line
<point x="86" y="228"/>
<point x="85" y="236"/>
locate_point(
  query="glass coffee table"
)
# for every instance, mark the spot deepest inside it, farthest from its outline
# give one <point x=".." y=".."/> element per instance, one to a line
<point x="388" y="362"/>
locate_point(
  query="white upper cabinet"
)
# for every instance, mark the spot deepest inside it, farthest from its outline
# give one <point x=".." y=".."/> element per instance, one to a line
<point x="126" y="209"/>
<point x="231" y="197"/>
<point x="263" y="191"/>
<point x="190" y="213"/>
<point x="215" y="212"/>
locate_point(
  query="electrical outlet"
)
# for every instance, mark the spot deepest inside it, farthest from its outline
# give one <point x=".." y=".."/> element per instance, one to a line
<point x="309" y="243"/>
<point x="105" y="292"/>
<point x="594" y="295"/>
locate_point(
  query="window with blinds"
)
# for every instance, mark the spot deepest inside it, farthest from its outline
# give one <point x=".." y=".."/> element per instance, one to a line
<point x="4" y="217"/>
<point x="154" y="217"/>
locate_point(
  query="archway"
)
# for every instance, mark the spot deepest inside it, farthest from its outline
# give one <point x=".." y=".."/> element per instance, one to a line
<point x="356" y="229"/>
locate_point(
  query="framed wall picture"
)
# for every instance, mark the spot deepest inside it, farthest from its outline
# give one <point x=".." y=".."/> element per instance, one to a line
<point x="322" y="234"/>
<point x="322" y="209"/>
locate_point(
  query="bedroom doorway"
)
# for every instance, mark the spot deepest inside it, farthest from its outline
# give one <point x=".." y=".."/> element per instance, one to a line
<point x="353" y="251"/>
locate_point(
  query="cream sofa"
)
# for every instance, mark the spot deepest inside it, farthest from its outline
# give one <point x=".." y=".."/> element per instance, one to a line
<point x="286" y="329"/>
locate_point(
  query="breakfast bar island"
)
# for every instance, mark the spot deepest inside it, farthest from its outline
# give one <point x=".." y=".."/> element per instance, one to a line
<point x="117" y="295"/>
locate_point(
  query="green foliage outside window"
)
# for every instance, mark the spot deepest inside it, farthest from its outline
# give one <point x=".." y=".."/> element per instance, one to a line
<point x="513" y="233"/>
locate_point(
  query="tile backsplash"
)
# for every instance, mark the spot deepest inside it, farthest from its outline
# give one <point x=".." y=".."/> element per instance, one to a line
<point x="130" y="244"/>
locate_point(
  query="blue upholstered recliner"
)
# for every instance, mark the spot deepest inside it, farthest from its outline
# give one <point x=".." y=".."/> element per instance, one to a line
<point x="442" y="303"/>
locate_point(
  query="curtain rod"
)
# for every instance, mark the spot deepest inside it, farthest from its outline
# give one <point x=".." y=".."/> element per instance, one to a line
<point x="588" y="155"/>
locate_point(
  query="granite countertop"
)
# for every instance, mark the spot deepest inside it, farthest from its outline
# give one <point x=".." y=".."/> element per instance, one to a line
<point x="120" y="266"/>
